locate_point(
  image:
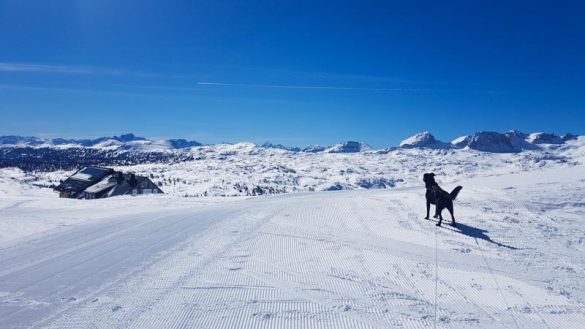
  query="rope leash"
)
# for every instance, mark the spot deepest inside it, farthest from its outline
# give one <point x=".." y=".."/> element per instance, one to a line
<point x="497" y="285"/>
<point x="436" y="269"/>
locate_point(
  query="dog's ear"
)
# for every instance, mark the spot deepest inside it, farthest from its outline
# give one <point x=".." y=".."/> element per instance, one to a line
<point x="432" y="174"/>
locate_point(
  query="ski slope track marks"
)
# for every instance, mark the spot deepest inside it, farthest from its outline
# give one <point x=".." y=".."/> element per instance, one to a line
<point x="347" y="259"/>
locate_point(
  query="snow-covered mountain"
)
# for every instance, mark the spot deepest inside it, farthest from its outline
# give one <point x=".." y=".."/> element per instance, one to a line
<point x="123" y="142"/>
<point x="183" y="143"/>
<point x="246" y="169"/>
<point x="544" y="138"/>
<point x="269" y="145"/>
<point x="487" y="141"/>
<point x="490" y="141"/>
<point x="348" y="147"/>
<point x="314" y="148"/>
<point x="345" y="147"/>
<point x="461" y="142"/>
<point x="509" y="142"/>
<point x="423" y="139"/>
<point x="33" y="153"/>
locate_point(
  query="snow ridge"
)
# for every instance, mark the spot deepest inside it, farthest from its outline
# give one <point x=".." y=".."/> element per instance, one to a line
<point x="424" y="139"/>
<point x="486" y="141"/>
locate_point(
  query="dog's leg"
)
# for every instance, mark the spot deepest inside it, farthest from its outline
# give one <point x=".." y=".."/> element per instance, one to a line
<point x="437" y="206"/>
<point x="452" y="212"/>
<point x="428" y="209"/>
<point x="439" y="211"/>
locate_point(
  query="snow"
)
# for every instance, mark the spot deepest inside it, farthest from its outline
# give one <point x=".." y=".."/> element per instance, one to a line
<point x="357" y="258"/>
<point x="544" y="138"/>
<point x="511" y="141"/>
<point x="109" y="144"/>
<point x="280" y="146"/>
<point x="314" y="149"/>
<point x="347" y="147"/>
<point x="82" y="176"/>
<point x="228" y="170"/>
<point x="490" y="141"/>
<point x="417" y="139"/>
<point x="461" y="141"/>
<point x="423" y="139"/>
<point x="101" y="185"/>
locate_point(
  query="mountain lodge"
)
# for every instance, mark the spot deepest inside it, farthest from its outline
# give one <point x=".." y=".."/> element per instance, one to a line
<point x="99" y="183"/>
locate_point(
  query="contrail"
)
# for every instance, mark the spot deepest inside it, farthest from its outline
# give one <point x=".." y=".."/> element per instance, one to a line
<point x="222" y="84"/>
<point x="67" y="69"/>
<point x="248" y="85"/>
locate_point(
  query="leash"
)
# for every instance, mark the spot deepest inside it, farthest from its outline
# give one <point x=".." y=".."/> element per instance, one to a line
<point x="436" y="270"/>
<point x="498" y="288"/>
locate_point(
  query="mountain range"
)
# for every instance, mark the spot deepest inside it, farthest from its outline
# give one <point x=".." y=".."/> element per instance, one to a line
<point x="43" y="154"/>
<point x="486" y="141"/>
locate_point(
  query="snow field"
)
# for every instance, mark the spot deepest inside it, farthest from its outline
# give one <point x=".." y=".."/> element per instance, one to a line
<point x="346" y="259"/>
<point x="349" y="259"/>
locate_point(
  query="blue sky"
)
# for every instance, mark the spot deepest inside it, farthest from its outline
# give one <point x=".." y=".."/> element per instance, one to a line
<point x="291" y="72"/>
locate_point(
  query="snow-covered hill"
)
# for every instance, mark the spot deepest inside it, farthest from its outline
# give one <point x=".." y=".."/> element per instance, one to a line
<point x="358" y="258"/>
<point x="244" y="169"/>
<point x="348" y="147"/>
<point x="423" y="140"/>
<point x="349" y="259"/>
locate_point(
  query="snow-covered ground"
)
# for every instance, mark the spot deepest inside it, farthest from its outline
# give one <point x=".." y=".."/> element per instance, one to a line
<point x="236" y="169"/>
<point x="359" y="258"/>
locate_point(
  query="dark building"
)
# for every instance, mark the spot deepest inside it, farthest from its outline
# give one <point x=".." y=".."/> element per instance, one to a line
<point x="98" y="183"/>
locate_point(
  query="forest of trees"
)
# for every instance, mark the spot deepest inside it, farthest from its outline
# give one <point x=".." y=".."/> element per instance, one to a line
<point x="50" y="159"/>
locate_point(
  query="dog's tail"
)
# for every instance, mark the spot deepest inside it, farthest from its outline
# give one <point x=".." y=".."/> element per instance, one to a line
<point x="455" y="191"/>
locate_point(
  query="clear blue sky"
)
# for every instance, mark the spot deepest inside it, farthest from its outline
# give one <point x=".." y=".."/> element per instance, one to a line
<point x="291" y="72"/>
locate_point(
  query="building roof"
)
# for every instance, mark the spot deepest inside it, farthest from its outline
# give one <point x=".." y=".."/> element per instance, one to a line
<point x="82" y="179"/>
<point x="89" y="173"/>
<point x="102" y="185"/>
<point x="102" y="182"/>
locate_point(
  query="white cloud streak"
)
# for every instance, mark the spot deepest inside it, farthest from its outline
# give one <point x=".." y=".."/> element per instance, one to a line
<point x="72" y="90"/>
<point x="66" y="69"/>
<point x="41" y="68"/>
<point x="222" y="84"/>
<point x="374" y="89"/>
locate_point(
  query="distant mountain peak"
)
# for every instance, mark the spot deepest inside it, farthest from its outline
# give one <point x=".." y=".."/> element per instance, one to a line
<point x="269" y="145"/>
<point x="495" y="142"/>
<point x="423" y="139"/>
<point x="462" y="141"/>
<point x="544" y="138"/>
<point x="348" y="147"/>
<point x="128" y="138"/>
<point x="183" y="143"/>
<point x="314" y="148"/>
<point x="485" y="141"/>
<point x="569" y="136"/>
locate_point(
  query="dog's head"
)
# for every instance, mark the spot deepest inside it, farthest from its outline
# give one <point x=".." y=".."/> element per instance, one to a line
<point x="429" y="179"/>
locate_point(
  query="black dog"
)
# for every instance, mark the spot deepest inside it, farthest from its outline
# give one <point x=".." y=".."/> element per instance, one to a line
<point x="439" y="197"/>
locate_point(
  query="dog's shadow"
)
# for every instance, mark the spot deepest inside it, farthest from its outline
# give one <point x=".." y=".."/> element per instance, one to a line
<point x="478" y="233"/>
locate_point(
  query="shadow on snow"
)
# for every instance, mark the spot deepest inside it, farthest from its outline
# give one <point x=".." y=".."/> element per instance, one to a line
<point x="477" y="233"/>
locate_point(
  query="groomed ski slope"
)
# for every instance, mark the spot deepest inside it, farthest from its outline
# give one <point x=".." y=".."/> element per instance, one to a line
<point x="349" y="259"/>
